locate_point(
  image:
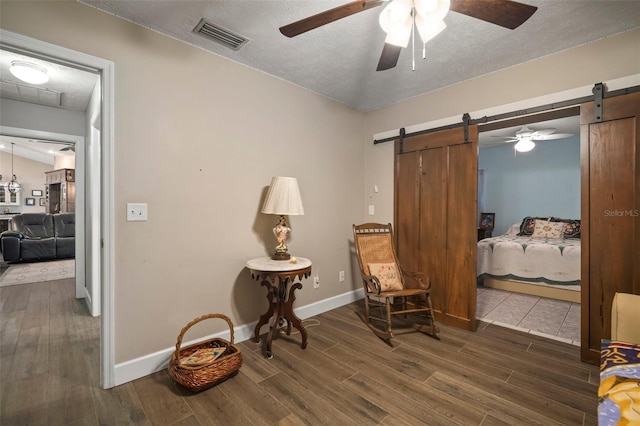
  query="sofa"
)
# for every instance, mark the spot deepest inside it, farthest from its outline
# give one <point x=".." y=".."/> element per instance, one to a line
<point x="39" y="236"/>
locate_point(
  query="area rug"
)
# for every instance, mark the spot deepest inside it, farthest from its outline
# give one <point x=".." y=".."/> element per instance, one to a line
<point x="37" y="272"/>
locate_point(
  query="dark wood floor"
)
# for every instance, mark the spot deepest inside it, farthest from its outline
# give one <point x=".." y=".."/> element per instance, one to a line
<point x="49" y="350"/>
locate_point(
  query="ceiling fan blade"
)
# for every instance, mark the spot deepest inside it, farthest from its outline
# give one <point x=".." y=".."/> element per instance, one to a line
<point x="506" y="13"/>
<point x="552" y="136"/>
<point x="543" y="132"/>
<point x="323" y="18"/>
<point x="389" y="57"/>
<point x="506" y="138"/>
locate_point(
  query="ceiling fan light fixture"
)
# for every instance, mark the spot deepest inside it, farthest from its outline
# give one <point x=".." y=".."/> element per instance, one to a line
<point x="509" y="14"/>
<point x="525" y="132"/>
<point x="401" y="35"/>
<point x="428" y="29"/>
<point x="524" y="145"/>
<point x="28" y="72"/>
<point x="398" y="17"/>
<point x="434" y="10"/>
<point x="395" y="15"/>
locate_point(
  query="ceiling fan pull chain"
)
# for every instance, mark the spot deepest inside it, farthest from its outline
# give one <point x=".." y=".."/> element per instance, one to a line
<point x="413" y="39"/>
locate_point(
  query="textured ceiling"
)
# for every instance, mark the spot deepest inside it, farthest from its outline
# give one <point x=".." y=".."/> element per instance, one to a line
<point x="339" y="59"/>
<point x="67" y="88"/>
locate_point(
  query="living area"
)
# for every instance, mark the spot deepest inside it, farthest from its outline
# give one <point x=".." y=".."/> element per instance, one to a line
<point x="37" y="220"/>
<point x="196" y="165"/>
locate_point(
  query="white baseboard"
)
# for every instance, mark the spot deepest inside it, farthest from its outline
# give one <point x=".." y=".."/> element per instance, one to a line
<point x="151" y="363"/>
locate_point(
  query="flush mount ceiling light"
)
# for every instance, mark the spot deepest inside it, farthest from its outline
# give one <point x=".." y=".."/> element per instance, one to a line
<point x="28" y="72"/>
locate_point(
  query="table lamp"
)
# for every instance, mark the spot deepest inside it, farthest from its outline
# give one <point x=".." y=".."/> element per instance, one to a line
<point x="283" y="198"/>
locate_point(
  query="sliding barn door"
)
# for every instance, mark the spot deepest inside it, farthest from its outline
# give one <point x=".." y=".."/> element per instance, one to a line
<point x="610" y="157"/>
<point x="435" y="218"/>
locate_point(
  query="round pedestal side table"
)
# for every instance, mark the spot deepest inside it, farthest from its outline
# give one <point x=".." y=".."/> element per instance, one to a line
<point x="276" y="275"/>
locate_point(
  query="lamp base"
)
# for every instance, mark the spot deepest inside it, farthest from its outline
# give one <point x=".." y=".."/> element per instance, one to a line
<point x="281" y="231"/>
<point x="280" y="256"/>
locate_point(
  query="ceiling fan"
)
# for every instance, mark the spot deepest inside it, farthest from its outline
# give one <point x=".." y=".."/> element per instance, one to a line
<point x="399" y="17"/>
<point x="525" y="137"/>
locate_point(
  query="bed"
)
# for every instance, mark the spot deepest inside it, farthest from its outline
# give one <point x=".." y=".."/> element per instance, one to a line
<point x="529" y="260"/>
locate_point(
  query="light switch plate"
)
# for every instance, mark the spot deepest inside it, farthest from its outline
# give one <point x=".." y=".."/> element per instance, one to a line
<point x="372" y="210"/>
<point x="136" y="212"/>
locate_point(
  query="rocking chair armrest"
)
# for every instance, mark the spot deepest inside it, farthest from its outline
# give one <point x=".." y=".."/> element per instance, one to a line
<point x="372" y="283"/>
<point x="422" y="279"/>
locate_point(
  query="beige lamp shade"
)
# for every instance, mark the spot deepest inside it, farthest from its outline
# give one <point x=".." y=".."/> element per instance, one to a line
<point x="283" y="197"/>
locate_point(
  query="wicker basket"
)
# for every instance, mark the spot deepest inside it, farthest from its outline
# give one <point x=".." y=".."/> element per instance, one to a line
<point x="201" y="377"/>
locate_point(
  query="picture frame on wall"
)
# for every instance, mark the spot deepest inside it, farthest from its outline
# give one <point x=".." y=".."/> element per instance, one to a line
<point x="487" y="220"/>
<point x="43" y="201"/>
<point x="36" y="192"/>
<point x="30" y="201"/>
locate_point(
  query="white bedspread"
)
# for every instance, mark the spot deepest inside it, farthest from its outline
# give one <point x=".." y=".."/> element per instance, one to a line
<point x="530" y="259"/>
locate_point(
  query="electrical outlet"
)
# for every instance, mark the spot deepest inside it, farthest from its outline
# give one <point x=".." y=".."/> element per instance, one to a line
<point x="341" y="276"/>
<point x="316" y="282"/>
<point x="372" y="210"/>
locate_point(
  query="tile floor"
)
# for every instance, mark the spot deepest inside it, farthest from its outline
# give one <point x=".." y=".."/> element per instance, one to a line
<point x="555" y="319"/>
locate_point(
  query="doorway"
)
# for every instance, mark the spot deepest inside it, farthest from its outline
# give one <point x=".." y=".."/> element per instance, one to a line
<point x="99" y="174"/>
<point x="43" y="152"/>
<point x="524" y="282"/>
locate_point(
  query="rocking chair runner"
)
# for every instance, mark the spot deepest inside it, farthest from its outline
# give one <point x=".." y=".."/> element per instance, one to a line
<point x="388" y="289"/>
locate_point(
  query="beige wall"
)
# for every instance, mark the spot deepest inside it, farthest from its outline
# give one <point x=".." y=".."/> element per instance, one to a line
<point x="64" y="162"/>
<point x="602" y="61"/>
<point x="30" y="175"/>
<point x="200" y="144"/>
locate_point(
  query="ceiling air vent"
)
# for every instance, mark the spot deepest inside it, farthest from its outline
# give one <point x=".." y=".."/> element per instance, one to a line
<point x="219" y="34"/>
<point x="26" y="93"/>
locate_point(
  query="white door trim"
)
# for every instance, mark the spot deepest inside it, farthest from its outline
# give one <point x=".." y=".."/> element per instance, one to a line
<point x="103" y="179"/>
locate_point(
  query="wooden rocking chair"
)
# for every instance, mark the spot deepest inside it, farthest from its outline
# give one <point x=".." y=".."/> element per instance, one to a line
<point x="388" y="289"/>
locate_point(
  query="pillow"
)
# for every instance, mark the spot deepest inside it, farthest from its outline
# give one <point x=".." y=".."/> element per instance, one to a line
<point x="387" y="274"/>
<point x="527" y="225"/>
<point x="571" y="230"/>
<point x="513" y="229"/>
<point x="548" y="229"/>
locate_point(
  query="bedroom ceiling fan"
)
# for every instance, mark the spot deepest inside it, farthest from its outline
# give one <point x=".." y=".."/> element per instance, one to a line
<point x="525" y="137"/>
<point x="400" y="18"/>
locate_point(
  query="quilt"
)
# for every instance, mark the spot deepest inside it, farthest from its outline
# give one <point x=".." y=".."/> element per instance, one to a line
<point x="619" y="390"/>
<point x="535" y="260"/>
